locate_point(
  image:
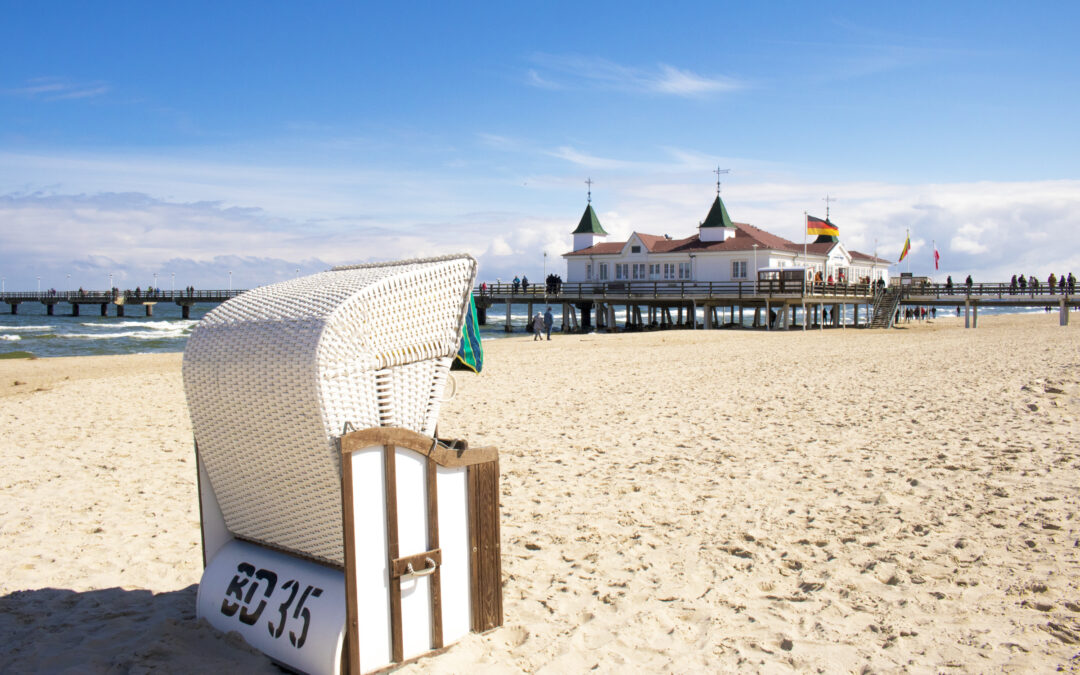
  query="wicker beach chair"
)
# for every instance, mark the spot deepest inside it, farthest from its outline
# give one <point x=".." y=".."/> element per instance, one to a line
<point x="276" y="378"/>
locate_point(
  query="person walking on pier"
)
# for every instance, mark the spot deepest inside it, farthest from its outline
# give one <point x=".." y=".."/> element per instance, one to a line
<point x="968" y="284"/>
<point x="517" y="283"/>
<point x="549" y="319"/>
<point x="948" y="284"/>
<point x="1012" y="285"/>
<point x="1051" y="281"/>
<point x="524" y="284"/>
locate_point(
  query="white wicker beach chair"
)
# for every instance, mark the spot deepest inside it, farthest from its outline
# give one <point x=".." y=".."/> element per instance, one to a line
<point x="277" y="380"/>
<point x="274" y="376"/>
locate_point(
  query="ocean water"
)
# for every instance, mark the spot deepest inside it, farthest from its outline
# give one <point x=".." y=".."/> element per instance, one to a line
<point x="32" y="331"/>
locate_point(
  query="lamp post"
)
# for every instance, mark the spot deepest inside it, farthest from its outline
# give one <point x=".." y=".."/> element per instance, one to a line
<point x="110" y="283"/>
<point x="755" y="269"/>
<point x="230" y="282"/>
<point x="297" y="272"/>
<point x="173" y="275"/>
<point x="3" y="284"/>
<point x="69" y="285"/>
<point x="39" y="286"/>
<point x="155" y="281"/>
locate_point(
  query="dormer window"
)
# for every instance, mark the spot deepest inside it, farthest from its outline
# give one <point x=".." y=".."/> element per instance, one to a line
<point x="635" y="249"/>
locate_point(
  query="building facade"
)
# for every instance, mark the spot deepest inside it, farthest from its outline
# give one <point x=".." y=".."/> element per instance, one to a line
<point x="722" y="250"/>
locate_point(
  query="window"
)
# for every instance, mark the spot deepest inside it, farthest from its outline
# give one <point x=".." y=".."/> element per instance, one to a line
<point x="639" y="271"/>
<point x="738" y="269"/>
<point x="635" y="249"/>
<point x="654" y="270"/>
<point x="669" y="270"/>
<point x="588" y="271"/>
<point x="684" y="270"/>
<point x="622" y="271"/>
<point x="603" y="272"/>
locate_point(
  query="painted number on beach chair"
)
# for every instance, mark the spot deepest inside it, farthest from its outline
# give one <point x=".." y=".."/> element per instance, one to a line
<point x="246" y="583"/>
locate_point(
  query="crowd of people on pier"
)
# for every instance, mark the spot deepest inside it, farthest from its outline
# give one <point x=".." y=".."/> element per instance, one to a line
<point x="1062" y="284"/>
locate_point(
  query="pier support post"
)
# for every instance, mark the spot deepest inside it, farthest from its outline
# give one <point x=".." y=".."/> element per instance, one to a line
<point x="974" y="315"/>
<point x="149" y="309"/>
<point x="805" y="318"/>
<point x="768" y="317"/>
<point x="741" y="325"/>
<point x="14" y="307"/>
<point x="708" y="317"/>
<point x="74" y="309"/>
<point x="1064" y="320"/>
<point x="757" y="317"/>
<point x="967" y="314"/>
<point x="185" y="311"/>
<point x="481" y="314"/>
<point x="612" y="326"/>
<point x="507" y="327"/>
<point x="104" y="309"/>
<point x="50" y="309"/>
<point x="856" y="320"/>
<point x="693" y="315"/>
<point x="120" y="310"/>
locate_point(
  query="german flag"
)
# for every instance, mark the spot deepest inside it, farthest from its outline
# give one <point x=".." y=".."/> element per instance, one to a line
<point x="819" y="227"/>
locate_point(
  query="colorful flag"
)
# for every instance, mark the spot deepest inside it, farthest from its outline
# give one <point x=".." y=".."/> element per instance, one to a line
<point x="937" y="256"/>
<point x="820" y="227"/>
<point x="907" y="247"/>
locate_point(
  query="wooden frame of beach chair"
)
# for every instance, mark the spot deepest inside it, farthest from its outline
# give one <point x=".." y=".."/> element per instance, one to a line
<point x="416" y="511"/>
<point x="275" y="379"/>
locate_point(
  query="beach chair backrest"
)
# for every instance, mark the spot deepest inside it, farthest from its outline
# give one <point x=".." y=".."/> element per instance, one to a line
<point x="276" y="375"/>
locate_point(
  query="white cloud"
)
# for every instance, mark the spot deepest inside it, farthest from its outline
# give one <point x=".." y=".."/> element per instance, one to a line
<point x="59" y="89"/>
<point x="582" y="72"/>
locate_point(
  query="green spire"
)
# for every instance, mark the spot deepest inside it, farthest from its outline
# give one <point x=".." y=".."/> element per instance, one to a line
<point x="589" y="224"/>
<point x="718" y="216"/>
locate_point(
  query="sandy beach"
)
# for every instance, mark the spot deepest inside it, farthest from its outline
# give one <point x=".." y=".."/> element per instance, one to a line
<point x="854" y="501"/>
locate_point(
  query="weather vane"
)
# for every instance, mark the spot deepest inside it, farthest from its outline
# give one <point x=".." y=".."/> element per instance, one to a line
<point x="588" y="181"/>
<point x="827" y="200"/>
<point x="718" y="172"/>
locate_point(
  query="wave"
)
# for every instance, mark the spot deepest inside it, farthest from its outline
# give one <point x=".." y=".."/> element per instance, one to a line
<point x="10" y="338"/>
<point x="27" y="328"/>
<point x="153" y="325"/>
<point x="133" y="335"/>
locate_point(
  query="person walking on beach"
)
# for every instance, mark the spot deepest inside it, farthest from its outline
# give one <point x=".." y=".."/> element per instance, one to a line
<point x="549" y="319"/>
<point x="537" y="326"/>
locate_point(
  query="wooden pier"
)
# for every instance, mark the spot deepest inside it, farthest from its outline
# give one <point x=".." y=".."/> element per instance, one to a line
<point x="120" y="300"/>
<point x="775" y="304"/>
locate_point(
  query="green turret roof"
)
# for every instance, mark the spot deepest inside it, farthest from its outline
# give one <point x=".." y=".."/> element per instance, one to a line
<point x="718" y="216"/>
<point x="589" y="224"/>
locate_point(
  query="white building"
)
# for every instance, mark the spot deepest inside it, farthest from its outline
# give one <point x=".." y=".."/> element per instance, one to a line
<point x="722" y="250"/>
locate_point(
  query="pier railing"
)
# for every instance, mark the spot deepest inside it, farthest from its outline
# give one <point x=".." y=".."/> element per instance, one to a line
<point x="675" y="289"/>
<point x="1000" y="291"/>
<point x="126" y="295"/>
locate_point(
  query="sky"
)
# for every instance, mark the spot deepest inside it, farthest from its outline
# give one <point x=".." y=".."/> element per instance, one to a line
<point x="243" y="143"/>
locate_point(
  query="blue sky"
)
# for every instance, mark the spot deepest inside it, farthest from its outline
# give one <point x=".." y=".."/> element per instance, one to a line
<point x="200" y="138"/>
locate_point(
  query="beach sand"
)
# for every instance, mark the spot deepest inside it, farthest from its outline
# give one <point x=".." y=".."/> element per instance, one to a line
<point x="842" y="501"/>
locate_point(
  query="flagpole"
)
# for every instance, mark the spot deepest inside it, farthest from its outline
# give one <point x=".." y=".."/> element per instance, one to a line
<point x="806" y="226"/>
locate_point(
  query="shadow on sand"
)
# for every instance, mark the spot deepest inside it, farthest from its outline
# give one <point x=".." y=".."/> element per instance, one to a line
<point x="116" y="630"/>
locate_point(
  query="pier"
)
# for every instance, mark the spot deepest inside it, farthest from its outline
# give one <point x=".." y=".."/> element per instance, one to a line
<point x="120" y="300"/>
<point x="775" y="304"/>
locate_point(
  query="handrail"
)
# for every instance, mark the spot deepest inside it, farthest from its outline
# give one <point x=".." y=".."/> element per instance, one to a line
<point x="48" y="297"/>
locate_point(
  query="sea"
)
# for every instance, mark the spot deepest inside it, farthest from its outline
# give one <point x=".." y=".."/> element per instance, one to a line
<point x="32" y="332"/>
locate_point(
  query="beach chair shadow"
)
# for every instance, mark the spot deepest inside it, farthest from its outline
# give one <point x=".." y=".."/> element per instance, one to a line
<point x="116" y="630"/>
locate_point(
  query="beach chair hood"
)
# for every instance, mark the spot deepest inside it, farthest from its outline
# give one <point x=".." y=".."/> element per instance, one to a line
<point x="274" y="376"/>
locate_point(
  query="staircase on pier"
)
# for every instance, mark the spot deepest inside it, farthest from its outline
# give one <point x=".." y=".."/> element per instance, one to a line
<point x="883" y="311"/>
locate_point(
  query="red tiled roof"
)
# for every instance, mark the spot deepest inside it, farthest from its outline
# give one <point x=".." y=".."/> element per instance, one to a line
<point x="855" y="255"/>
<point x="746" y="236"/>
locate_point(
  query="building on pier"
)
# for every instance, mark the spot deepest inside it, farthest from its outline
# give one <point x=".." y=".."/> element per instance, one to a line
<point x="722" y="250"/>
